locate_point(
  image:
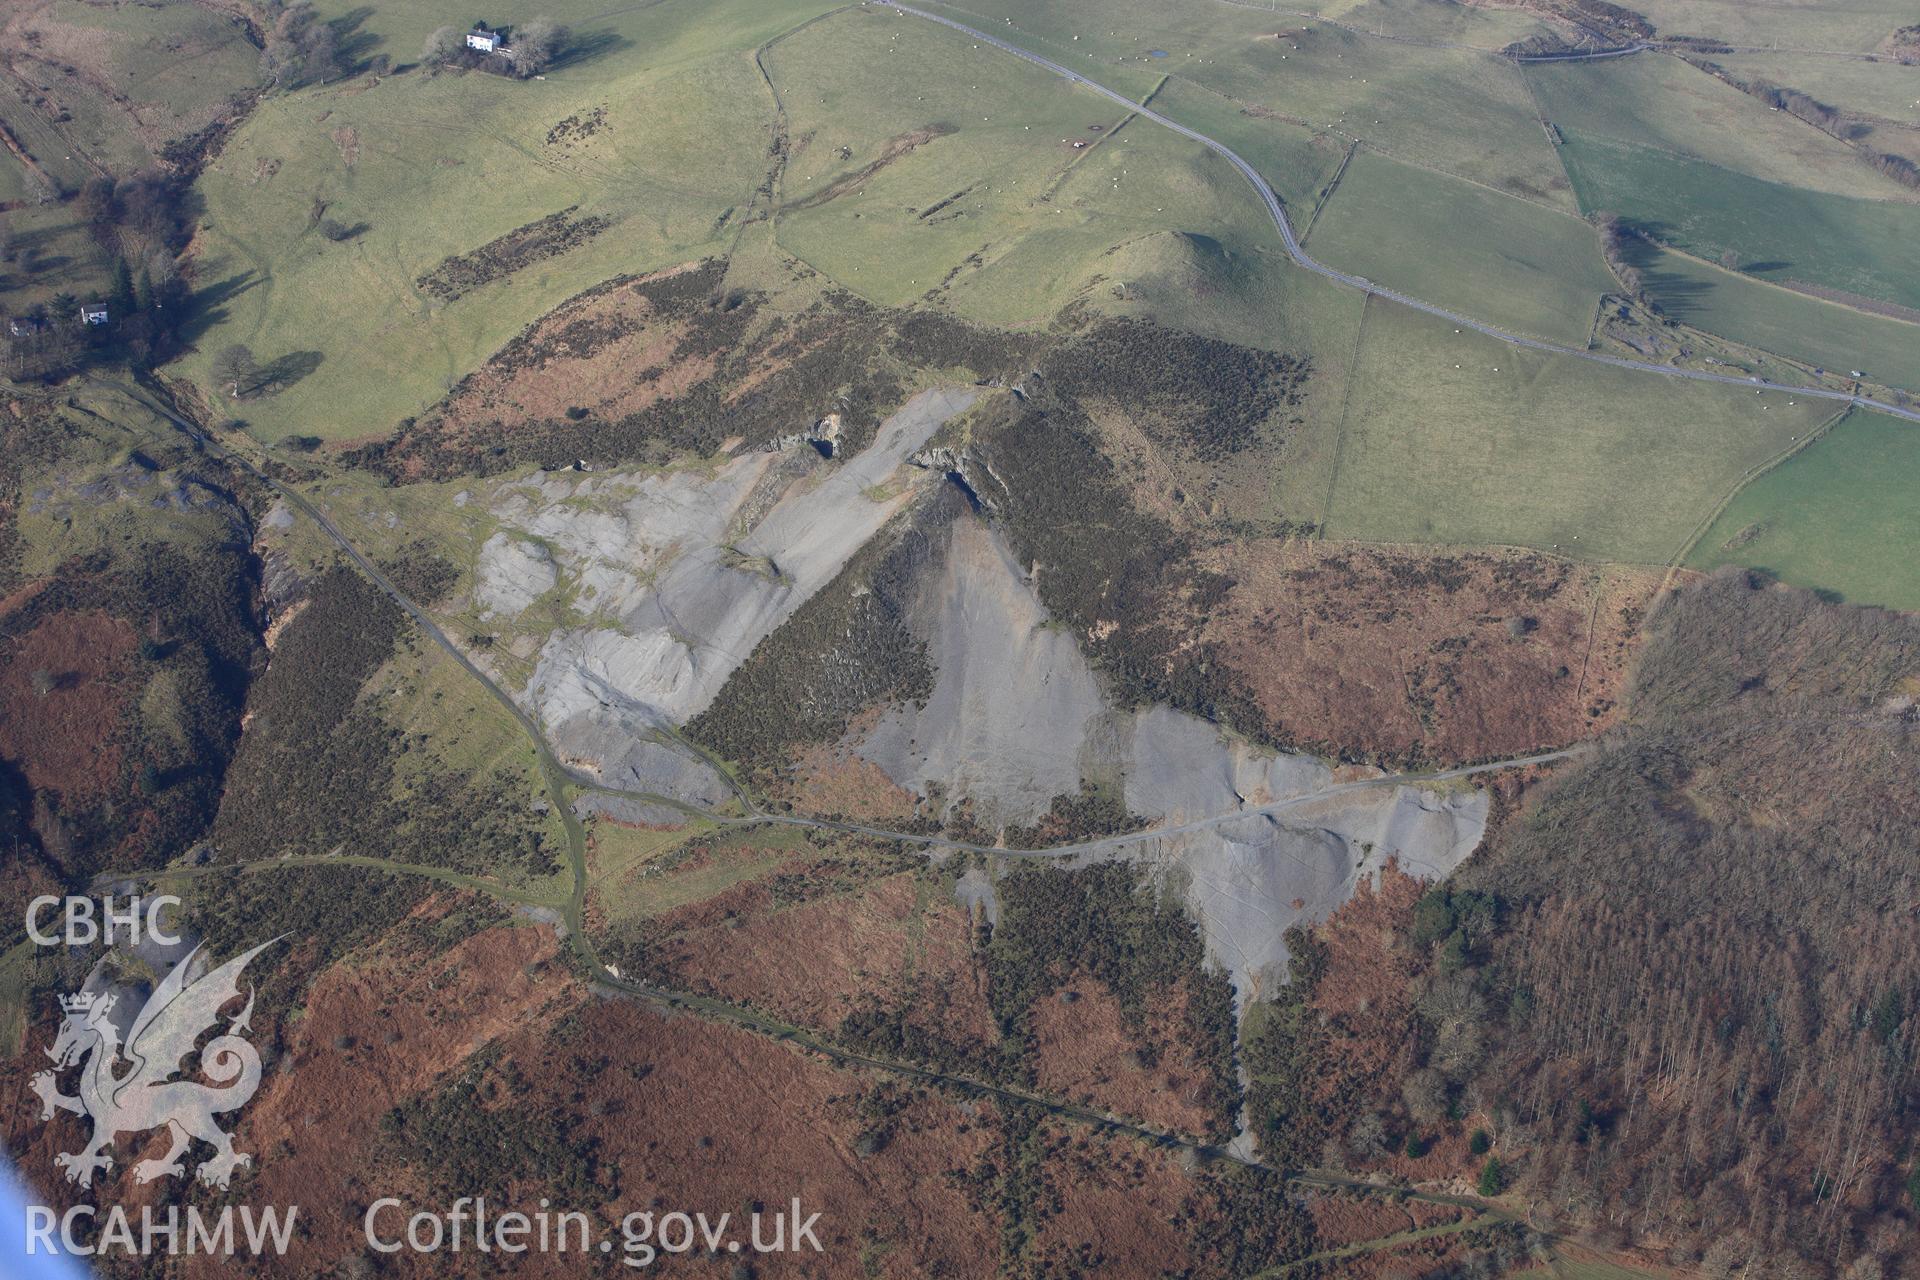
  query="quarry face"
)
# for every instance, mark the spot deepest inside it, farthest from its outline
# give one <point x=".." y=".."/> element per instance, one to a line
<point x="675" y="577"/>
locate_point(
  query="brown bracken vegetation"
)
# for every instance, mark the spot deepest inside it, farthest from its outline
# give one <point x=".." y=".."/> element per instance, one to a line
<point x="523" y="247"/>
<point x="1412" y="656"/>
<point x="1680" y="992"/>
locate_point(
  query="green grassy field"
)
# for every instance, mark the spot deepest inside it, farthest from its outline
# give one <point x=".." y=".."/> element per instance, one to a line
<point x="32" y="129"/>
<point x="1517" y="264"/>
<point x="1780" y="320"/>
<point x="432" y="166"/>
<point x="13" y="181"/>
<point x="1882" y="88"/>
<point x="1490" y="29"/>
<point x="128" y="79"/>
<point x="1296" y="160"/>
<point x="1654" y="100"/>
<point x="1460" y="110"/>
<point x="617" y="850"/>
<point x="1881" y="97"/>
<point x="428" y="167"/>
<point x="175" y="64"/>
<point x="1001" y="212"/>
<point x="1842" y="25"/>
<point x="1456" y="438"/>
<point x="621" y="33"/>
<point x="1838" y="515"/>
<point x="1868" y="247"/>
<point x="52" y="253"/>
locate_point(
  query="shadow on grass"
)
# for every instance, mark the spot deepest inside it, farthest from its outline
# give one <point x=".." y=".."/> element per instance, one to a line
<point x="586" y="46"/>
<point x="356" y="47"/>
<point x="289" y="369"/>
<point x="207" y="307"/>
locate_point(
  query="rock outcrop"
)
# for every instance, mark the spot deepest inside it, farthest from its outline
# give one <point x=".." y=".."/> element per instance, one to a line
<point x="513" y="572"/>
<point x="684" y="572"/>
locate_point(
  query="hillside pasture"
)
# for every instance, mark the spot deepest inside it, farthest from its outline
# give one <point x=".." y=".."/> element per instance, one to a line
<point x="925" y="168"/>
<point x="1297" y="161"/>
<point x="1836" y="516"/>
<point x="110" y="86"/>
<point x="1879" y="98"/>
<point x="1825" y="334"/>
<point x="14" y="188"/>
<point x="624" y="36"/>
<point x="890" y="157"/>
<point x="1655" y="100"/>
<point x="1480" y="28"/>
<point x="31" y="125"/>
<point x="658" y="141"/>
<point x="1456" y="438"/>
<point x="53" y="253"/>
<point x="1461" y="110"/>
<point x="1508" y="261"/>
<point x="1881" y="88"/>
<point x="1780" y="233"/>
<point x="1848" y="26"/>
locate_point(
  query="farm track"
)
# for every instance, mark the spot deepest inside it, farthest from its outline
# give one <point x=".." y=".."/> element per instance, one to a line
<point x="595" y="972"/>
<point x="568" y="777"/>
<point x="562" y="777"/>
<point x="712" y="1009"/>
<point x="1277" y="211"/>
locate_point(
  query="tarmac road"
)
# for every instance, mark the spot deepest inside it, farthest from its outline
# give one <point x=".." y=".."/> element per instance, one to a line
<point x="1300" y="256"/>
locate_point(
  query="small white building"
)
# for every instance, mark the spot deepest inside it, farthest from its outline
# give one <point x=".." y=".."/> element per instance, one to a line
<point x="93" y="313"/>
<point x="484" y="40"/>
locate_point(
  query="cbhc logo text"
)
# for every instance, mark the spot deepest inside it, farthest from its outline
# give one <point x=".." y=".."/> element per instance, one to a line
<point x="81" y="922"/>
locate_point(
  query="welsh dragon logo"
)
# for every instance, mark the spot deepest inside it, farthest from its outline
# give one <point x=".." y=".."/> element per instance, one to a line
<point x="142" y="1096"/>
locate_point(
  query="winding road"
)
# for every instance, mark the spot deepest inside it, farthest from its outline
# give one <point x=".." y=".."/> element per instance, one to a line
<point x="1301" y="258"/>
<point x="560" y="777"/>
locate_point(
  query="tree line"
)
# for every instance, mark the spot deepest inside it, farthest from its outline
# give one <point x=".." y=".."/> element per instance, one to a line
<point x="1680" y="990"/>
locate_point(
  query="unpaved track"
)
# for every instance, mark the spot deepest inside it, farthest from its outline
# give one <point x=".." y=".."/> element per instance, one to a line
<point x="595" y="971"/>
<point x="755" y="816"/>
<point x="1278" y="212"/>
<point x="1108" y="844"/>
